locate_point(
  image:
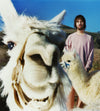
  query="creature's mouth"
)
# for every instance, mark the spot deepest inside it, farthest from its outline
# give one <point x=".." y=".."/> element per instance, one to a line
<point x="65" y="65"/>
<point x="41" y="100"/>
<point x="43" y="103"/>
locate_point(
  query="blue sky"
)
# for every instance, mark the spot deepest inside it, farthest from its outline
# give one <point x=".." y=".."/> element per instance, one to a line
<point x="47" y="9"/>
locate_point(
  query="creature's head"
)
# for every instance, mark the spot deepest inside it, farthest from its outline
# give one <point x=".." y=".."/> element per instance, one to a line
<point x="34" y="49"/>
<point x="72" y="61"/>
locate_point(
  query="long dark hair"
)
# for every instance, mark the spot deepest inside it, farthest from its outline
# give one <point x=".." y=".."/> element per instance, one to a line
<point x="82" y="18"/>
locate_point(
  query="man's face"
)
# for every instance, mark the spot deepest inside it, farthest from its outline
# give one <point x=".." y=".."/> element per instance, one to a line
<point x="79" y="24"/>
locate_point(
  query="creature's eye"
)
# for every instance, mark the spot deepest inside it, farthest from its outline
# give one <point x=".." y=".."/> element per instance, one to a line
<point x="11" y="45"/>
<point x="68" y="60"/>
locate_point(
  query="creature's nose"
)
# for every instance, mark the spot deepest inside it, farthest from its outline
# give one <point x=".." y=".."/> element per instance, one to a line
<point x="41" y="51"/>
<point x="50" y="55"/>
<point x="46" y="55"/>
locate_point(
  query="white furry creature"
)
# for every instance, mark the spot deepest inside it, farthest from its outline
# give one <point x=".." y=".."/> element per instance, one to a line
<point x="33" y="78"/>
<point x="87" y="85"/>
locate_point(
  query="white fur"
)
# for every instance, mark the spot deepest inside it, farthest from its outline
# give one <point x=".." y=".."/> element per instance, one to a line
<point x="37" y="44"/>
<point x="87" y="85"/>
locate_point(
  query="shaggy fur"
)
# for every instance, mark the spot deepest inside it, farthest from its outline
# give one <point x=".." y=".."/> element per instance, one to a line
<point x="33" y="78"/>
<point x="87" y="85"/>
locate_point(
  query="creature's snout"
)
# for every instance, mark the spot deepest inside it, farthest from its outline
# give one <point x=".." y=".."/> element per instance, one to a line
<point x="40" y="58"/>
<point x="41" y="51"/>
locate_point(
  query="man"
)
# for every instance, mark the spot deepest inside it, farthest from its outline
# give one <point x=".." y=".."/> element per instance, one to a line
<point x="83" y="44"/>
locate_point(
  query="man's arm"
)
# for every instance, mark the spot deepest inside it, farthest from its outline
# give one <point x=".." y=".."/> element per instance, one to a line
<point x="91" y="55"/>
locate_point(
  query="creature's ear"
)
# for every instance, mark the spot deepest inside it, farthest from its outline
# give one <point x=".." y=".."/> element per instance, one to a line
<point x="57" y="19"/>
<point x="74" y="53"/>
<point x="8" y="12"/>
<point x="64" y="50"/>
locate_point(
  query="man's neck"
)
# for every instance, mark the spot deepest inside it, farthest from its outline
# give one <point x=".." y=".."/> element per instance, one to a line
<point x="80" y="32"/>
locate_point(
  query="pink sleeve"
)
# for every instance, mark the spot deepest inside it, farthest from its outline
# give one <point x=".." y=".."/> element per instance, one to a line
<point x="68" y="43"/>
<point x="91" y="54"/>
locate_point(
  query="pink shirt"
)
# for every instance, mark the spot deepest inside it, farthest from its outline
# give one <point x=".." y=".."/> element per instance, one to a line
<point x="83" y="44"/>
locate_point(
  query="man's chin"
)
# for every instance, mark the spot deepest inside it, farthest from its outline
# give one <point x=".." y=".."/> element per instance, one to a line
<point x="81" y="28"/>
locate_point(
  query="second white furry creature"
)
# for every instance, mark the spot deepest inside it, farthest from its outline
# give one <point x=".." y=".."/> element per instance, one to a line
<point x="87" y="85"/>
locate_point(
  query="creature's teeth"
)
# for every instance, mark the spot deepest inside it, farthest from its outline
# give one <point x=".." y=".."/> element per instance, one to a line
<point x="40" y="100"/>
<point x="45" y="99"/>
